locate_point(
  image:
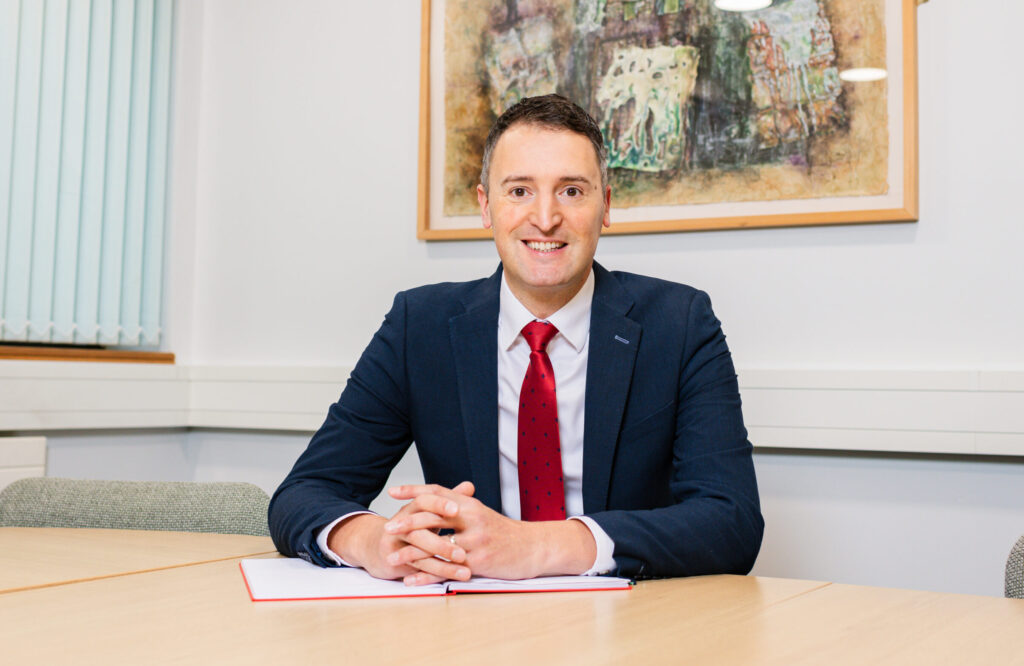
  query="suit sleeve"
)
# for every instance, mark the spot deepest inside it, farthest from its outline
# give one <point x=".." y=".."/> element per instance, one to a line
<point x="350" y="457"/>
<point x="713" y="523"/>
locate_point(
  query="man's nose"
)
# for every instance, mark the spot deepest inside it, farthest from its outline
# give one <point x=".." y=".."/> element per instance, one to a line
<point x="548" y="214"/>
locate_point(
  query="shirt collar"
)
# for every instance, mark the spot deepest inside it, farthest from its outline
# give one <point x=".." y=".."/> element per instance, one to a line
<point x="572" y="320"/>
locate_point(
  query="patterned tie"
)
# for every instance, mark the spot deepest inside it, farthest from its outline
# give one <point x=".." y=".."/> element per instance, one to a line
<point x="541" y="489"/>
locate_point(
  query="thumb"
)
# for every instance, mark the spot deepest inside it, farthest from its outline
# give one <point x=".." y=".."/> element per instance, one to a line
<point x="465" y="488"/>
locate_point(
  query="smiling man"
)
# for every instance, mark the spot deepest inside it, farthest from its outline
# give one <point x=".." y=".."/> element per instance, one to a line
<point x="549" y="203"/>
<point x="568" y="419"/>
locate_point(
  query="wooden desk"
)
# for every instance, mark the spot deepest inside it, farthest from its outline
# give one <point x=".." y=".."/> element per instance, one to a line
<point x="855" y="624"/>
<point x="202" y="614"/>
<point x="37" y="556"/>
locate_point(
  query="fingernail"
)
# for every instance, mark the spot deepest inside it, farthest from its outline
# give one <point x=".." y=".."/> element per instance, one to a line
<point x="391" y="527"/>
<point x="451" y="508"/>
<point x="458" y="554"/>
<point x="410" y="580"/>
<point x="393" y="558"/>
<point x="463" y="574"/>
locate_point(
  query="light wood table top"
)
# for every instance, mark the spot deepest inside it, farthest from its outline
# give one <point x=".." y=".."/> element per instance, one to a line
<point x="41" y="556"/>
<point x="203" y="614"/>
<point x="855" y="624"/>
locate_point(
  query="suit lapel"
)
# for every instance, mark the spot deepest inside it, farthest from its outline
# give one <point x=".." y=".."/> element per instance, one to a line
<point x="474" y="339"/>
<point x="614" y="339"/>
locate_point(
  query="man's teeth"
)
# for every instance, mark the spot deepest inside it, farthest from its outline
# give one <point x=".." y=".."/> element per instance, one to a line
<point x="546" y="246"/>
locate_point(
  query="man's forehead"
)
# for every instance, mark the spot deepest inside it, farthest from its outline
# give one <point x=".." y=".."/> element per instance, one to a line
<point x="526" y="127"/>
<point x="519" y="133"/>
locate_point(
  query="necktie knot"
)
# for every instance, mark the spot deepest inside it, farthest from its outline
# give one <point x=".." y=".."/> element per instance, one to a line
<point x="538" y="334"/>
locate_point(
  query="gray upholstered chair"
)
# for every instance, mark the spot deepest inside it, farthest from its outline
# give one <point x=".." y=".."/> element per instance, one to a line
<point x="227" y="508"/>
<point x="1015" y="571"/>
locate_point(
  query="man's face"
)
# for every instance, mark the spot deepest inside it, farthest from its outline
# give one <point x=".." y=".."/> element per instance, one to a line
<point x="546" y="206"/>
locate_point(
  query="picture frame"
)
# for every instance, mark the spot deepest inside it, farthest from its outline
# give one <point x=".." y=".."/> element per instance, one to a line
<point x="894" y="99"/>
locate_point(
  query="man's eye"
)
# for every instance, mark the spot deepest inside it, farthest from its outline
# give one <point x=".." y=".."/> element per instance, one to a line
<point x="519" y="191"/>
<point x="573" y="191"/>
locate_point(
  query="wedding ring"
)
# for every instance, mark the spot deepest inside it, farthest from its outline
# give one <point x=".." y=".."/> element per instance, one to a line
<point x="451" y="537"/>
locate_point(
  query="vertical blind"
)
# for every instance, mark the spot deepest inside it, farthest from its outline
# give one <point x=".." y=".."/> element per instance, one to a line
<point x="84" y="104"/>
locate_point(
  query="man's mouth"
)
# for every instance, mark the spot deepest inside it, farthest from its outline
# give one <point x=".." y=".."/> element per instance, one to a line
<point x="545" y="246"/>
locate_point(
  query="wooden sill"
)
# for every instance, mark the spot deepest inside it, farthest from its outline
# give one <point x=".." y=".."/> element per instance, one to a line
<point x="44" y="353"/>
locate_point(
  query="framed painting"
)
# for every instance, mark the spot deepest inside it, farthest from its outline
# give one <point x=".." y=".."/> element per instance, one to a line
<point x="712" y="119"/>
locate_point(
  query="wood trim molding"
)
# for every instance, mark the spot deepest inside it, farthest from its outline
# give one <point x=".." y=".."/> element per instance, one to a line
<point x="41" y="353"/>
<point x="423" y="230"/>
<point x="911" y="155"/>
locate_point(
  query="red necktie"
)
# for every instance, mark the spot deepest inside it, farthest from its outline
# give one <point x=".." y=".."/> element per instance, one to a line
<point x="541" y="489"/>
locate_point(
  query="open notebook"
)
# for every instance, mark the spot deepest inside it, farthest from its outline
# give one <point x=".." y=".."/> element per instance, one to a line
<point x="290" y="579"/>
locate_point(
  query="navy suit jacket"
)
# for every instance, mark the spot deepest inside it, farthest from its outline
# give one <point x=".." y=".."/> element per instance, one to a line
<point x="667" y="469"/>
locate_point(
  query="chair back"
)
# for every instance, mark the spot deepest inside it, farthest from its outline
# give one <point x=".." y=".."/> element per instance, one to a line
<point x="224" y="507"/>
<point x="1015" y="571"/>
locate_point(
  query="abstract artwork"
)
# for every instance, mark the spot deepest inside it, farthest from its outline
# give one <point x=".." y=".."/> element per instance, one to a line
<point x="703" y="111"/>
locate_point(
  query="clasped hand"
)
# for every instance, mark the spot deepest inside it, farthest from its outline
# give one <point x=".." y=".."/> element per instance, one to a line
<point x="485" y="543"/>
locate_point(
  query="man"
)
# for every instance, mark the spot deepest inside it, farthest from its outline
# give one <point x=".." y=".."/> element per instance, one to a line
<point x="611" y="397"/>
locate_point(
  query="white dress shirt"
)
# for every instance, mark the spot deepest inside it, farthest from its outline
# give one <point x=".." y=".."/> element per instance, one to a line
<point x="568" y="352"/>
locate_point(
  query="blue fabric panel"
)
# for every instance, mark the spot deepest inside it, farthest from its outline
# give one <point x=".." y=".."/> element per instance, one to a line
<point x="115" y="191"/>
<point x="135" y="204"/>
<point x="65" y="276"/>
<point x="44" y="227"/>
<point x="156" y="185"/>
<point x="9" y="23"/>
<point x="83" y="169"/>
<point x="93" y="171"/>
<point x="18" y="261"/>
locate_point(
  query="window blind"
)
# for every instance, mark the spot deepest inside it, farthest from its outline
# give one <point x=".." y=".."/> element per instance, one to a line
<point x="84" y="112"/>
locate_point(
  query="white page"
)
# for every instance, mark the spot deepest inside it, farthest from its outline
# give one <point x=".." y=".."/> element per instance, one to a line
<point x="292" y="578"/>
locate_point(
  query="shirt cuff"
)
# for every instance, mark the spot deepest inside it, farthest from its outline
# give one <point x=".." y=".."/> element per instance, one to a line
<point x="604" y="562"/>
<point x="321" y="539"/>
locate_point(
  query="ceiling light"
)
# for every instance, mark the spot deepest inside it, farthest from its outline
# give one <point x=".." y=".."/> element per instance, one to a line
<point x="859" y="74"/>
<point x="742" y="5"/>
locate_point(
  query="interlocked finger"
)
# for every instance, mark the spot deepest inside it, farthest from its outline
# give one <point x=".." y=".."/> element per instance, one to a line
<point x="438" y="568"/>
<point x="438" y="546"/>
<point x="421" y="520"/>
<point x="421" y="578"/>
<point x="436" y="504"/>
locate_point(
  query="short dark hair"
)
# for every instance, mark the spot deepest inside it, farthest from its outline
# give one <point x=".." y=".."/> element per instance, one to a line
<point x="551" y="112"/>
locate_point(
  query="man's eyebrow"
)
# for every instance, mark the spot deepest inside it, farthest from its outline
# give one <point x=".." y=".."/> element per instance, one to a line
<point x="574" y="179"/>
<point x="514" y="178"/>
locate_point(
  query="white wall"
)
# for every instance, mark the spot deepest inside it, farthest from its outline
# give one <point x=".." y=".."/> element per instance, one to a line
<point x="945" y="524"/>
<point x="306" y="172"/>
<point x="293" y="224"/>
<point x="177" y="454"/>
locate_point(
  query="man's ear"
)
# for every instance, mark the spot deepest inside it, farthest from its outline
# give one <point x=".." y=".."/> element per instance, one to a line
<point x="485" y="211"/>
<point x="607" y="221"/>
